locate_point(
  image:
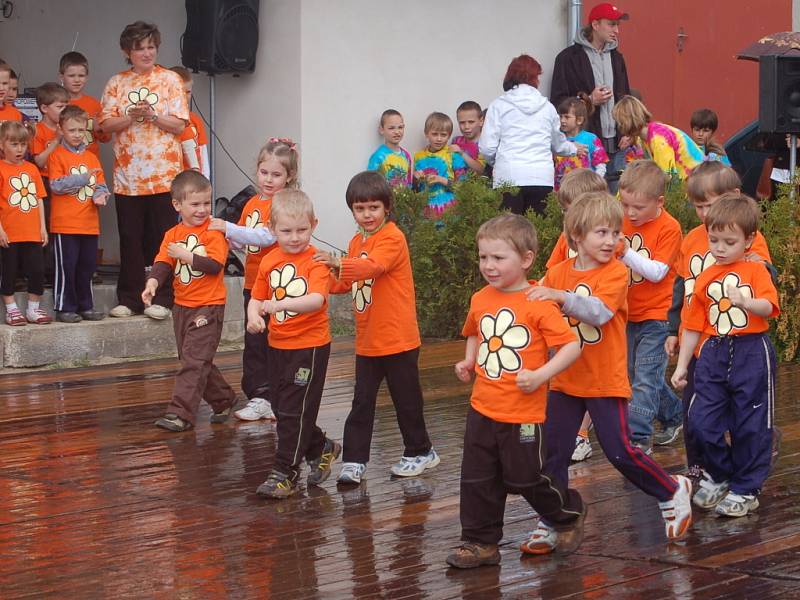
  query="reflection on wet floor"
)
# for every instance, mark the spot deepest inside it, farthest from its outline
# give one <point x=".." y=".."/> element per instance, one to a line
<point x="95" y="502"/>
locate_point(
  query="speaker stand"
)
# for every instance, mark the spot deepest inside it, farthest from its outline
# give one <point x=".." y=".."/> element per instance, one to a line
<point x="793" y="163"/>
<point x="212" y="125"/>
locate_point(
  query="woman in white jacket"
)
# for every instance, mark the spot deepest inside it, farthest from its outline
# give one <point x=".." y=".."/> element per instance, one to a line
<point x="520" y="134"/>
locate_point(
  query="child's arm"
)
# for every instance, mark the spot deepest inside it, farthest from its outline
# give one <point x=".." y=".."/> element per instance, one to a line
<point x="587" y="309"/>
<point x="760" y="307"/>
<point x="474" y="165"/>
<point x="465" y="367"/>
<point x="600" y="169"/>
<point x="42" y="226"/>
<point x="158" y="275"/>
<point x="43" y="156"/>
<point x="689" y="342"/>
<point x="674" y="315"/>
<point x="255" y="320"/>
<point x="205" y="166"/>
<point x="241" y="235"/>
<point x="529" y="381"/>
<point x="652" y="270"/>
<point x="204" y="264"/>
<point x="303" y="304"/>
<point x="70" y="184"/>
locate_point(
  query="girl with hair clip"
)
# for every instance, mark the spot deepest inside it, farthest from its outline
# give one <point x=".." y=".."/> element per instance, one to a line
<point x="277" y="166"/>
<point x="574" y="114"/>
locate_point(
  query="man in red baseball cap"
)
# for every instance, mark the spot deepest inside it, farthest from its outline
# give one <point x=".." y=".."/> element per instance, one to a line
<point x="595" y="66"/>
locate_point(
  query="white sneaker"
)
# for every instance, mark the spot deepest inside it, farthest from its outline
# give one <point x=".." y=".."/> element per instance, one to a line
<point x="736" y="505"/>
<point x="542" y="540"/>
<point x="583" y="449"/>
<point x="256" y="408"/>
<point x="120" y="311"/>
<point x="351" y="473"/>
<point x="411" y="466"/>
<point x="710" y="493"/>
<point x="677" y="512"/>
<point x="157" y="312"/>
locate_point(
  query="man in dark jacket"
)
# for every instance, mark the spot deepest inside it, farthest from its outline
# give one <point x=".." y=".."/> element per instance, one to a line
<point x="593" y="65"/>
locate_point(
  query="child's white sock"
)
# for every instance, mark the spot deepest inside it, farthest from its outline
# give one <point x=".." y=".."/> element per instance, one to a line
<point x="11" y="306"/>
<point x="32" y="306"/>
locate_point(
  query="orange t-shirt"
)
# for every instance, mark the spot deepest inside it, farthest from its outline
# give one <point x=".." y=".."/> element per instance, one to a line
<point x="513" y="334"/>
<point x="255" y="215"/>
<point x="146" y="158"/>
<point x="286" y="275"/>
<point x="194" y="288"/>
<point x="196" y="131"/>
<point x="658" y="240"/>
<point x="44" y="135"/>
<point x="378" y="274"/>
<point x="711" y="311"/>
<point x="21" y="193"/>
<point x="93" y="108"/>
<point x="602" y="369"/>
<point x="76" y="212"/>
<point x="9" y="113"/>
<point x="561" y="252"/>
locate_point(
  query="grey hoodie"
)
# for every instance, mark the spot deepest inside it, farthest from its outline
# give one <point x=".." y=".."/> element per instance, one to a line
<point x="603" y="75"/>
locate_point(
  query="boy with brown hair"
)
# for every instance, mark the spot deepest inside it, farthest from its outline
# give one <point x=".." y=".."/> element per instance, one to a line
<point x="7" y="111"/>
<point x="194" y="141"/>
<point x="73" y="69"/>
<point x="196" y="257"/>
<point x="51" y="98"/>
<point x="469" y="116"/>
<point x="436" y="168"/>
<point x="377" y="271"/>
<point x="390" y="159"/>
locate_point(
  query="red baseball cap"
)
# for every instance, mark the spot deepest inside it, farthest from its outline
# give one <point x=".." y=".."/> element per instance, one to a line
<point x="608" y="11"/>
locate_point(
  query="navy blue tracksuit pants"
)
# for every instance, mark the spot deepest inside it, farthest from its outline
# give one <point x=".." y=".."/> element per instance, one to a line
<point x="734" y="390"/>
<point x="694" y="450"/>
<point x="76" y="261"/>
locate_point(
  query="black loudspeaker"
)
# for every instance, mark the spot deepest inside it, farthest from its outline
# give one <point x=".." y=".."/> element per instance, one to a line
<point x="221" y="36"/>
<point x="779" y="94"/>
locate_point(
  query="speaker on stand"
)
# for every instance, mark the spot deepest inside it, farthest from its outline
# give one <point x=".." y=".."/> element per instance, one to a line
<point x="779" y="100"/>
<point x="221" y="37"/>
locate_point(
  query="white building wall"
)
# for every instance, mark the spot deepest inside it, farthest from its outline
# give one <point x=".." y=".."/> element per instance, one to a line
<point x="325" y="71"/>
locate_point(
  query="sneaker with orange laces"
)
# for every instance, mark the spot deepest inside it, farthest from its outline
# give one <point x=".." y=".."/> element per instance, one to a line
<point x="677" y="512"/>
<point x="38" y="317"/>
<point x="15" y="318"/>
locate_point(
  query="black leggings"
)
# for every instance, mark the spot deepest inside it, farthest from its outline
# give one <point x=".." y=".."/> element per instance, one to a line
<point x="23" y="259"/>
<point x="529" y="196"/>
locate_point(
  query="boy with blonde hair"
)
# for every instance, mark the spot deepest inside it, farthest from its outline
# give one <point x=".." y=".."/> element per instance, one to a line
<point x="436" y="167"/>
<point x="196" y="256"/>
<point x="292" y="288"/>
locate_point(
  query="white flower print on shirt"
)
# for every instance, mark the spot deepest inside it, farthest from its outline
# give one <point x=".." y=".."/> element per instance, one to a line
<point x="87" y="191"/>
<point x="722" y="314"/>
<point x="285" y="284"/>
<point x="697" y="264"/>
<point x="637" y="245"/>
<point x="253" y="221"/>
<point x="362" y="291"/>
<point x="184" y="271"/>
<point x="502" y="341"/>
<point x="24" y="194"/>
<point x="141" y="95"/>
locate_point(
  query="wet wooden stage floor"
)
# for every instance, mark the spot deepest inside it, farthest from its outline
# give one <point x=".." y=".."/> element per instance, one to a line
<point x="95" y="502"/>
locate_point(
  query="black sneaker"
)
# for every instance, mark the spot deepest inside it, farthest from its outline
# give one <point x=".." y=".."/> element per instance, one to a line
<point x="277" y="486"/>
<point x="92" y="315"/>
<point x="320" y="469"/>
<point x="68" y="317"/>
<point x="668" y="435"/>
<point x="172" y="422"/>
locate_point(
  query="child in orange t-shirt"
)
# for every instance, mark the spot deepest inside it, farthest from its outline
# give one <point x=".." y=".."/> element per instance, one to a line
<point x="276" y="169"/>
<point x="194" y="141"/>
<point x="508" y="339"/>
<point x="74" y="71"/>
<point x="22" y="225"/>
<point x="292" y="288"/>
<point x="653" y="239"/>
<point x="196" y="257"/>
<point x="51" y="99"/>
<point x="705" y="185"/>
<point x="734" y="381"/>
<point x="377" y="271"/>
<point x="592" y="291"/>
<point x="7" y="111"/>
<point x="78" y="187"/>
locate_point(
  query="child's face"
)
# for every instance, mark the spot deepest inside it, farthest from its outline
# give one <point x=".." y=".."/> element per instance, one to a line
<point x="187" y="89"/>
<point x="598" y="246"/>
<point x="194" y="208"/>
<point x="5" y="80"/>
<point x="271" y="176"/>
<point x="640" y="209"/>
<point x="74" y="131"/>
<point x="51" y="112"/>
<point x="74" y="78"/>
<point x="293" y="232"/>
<point x="437" y="139"/>
<point x="701" y="208"/>
<point x="392" y="130"/>
<point x="13" y="91"/>
<point x="470" y="122"/>
<point x="729" y="245"/>
<point x="369" y="215"/>
<point x="14" y="152"/>
<point x="570" y="124"/>
<point x="502" y="266"/>
<point x="701" y="135"/>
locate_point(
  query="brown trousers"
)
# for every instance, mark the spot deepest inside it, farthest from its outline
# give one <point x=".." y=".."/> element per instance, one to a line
<point x="197" y="333"/>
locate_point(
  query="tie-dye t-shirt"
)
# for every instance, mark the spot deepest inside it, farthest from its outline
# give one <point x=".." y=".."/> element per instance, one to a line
<point x="596" y="156"/>
<point x="146" y="158"/>
<point x="672" y="149"/>
<point x="395" y="165"/>
<point x="632" y="153"/>
<point x="471" y="148"/>
<point x="710" y="156"/>
<point x="445" y="164"/>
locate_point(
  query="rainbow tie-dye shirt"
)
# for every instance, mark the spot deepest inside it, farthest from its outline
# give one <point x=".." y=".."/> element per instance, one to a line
<point x="672" y="149"/>
<point x="596" y="156"/>
<point x="445" y="164"/>
<point x="470" y="148"/>
<point x="395" y="165"/>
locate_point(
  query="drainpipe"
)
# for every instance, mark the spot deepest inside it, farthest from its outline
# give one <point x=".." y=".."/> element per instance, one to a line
<point x="574" y="20"/>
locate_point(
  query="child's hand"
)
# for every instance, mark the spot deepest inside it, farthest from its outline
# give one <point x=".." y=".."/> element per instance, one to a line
<point x="100" y="199"/>
<point x="529" y="381"/>
<point x="257" y="325"/>
<point x="179" y="252"/>
<point x="464" y="370"/>
<point x="3" y="238"/>
<point x="625" y="243"/>
<point x="44" y="236"/>
<point x="671" y="345"/>
<point x="269" y="307"/>
<point x="753" y="257"/>
<point x="539" y="292"/>
<point x="329" y="259"/>
<point x="455" y="148"/>
<point x="217" y="224"/>
<point x="680" y="378"/>
<point x="149" y="291"/>
<point x="582" y="149"/>
<point x="736" y="296"/>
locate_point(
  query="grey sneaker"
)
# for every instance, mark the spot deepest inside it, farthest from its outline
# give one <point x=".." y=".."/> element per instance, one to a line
<point x="412" y="466"/>
<point x="736" y="505"/>
<point x="668" y="435"/>
<point x="709" y="492"/>
<point x="157" y="312"/>
<point x="121" y="311"/>
<point x="320" y="469"/>
<point x="583" y="449"/>
<point x="351" y="473"/>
